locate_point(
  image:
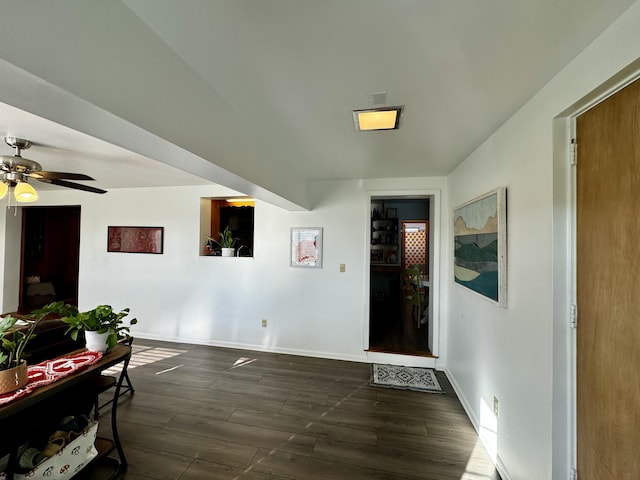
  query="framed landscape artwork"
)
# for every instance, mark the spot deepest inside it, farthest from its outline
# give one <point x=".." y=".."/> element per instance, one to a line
<point x="480" y="246"/>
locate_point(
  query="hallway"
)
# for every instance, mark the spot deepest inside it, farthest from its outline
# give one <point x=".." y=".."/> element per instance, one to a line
<point x="394" y="329"/>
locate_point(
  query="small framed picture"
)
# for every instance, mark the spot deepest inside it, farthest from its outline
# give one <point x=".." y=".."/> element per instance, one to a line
<point x="306" y="247"/>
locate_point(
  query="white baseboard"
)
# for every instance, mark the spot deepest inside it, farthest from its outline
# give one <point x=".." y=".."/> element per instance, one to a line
<point x="502" y="470"/>
<point x="256" y="348"/>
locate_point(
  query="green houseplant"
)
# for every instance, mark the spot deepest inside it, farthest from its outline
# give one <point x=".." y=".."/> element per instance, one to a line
<point x="13" y="366"/>
<point x="226" y="241"/>
<point x="14" y="341"/>
<point x="102" y="319"/>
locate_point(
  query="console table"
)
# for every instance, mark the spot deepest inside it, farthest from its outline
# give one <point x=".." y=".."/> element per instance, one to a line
<point x="40" y="411"/>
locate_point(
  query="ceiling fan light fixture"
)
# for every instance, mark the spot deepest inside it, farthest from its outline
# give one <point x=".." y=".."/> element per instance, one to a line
<point x="381" y="118"/>
<point x="16" y="170"/>
<point x="25" y="193"/>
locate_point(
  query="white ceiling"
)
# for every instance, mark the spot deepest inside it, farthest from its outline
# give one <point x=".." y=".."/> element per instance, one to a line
<point x="58" y="148"/>
<point x="282" y="76"/>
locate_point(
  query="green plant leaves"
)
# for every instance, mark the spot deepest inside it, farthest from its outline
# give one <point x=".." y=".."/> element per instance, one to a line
<point x="225" y="239"/>
<point x="15" y="339"/>
<point x="101" y="319"/>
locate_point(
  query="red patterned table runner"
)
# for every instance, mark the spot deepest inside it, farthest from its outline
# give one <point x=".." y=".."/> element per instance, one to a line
<point x="50" y="371"/>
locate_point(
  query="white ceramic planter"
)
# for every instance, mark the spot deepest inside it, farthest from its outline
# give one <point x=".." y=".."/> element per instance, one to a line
<point x="96" y="342"/>
<point x="228" y="252"/>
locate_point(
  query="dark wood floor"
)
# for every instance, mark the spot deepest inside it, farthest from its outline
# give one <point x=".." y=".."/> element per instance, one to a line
<point x="394" y="327"/>
<point x="212" y="414"/>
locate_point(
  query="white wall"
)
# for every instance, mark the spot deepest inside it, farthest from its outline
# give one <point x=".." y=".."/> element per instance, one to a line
<point x="212" y="300"/>
<point x="510" y="353"/>
<point x="182" y="296"/>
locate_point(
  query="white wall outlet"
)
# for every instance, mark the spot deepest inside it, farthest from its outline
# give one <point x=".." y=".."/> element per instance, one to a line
<point x="496" y="406"/>
<point x="264" y="323"/>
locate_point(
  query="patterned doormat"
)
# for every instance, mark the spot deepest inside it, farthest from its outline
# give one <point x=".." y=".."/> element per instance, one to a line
<point x="405" y="378"/>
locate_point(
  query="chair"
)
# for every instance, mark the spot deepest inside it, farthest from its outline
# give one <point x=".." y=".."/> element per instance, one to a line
<point x="413" y="293"/>
<point x="419" y="266"/>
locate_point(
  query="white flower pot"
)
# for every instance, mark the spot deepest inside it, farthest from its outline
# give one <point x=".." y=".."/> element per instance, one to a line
<point x="96" y="342"/>
<point x="228" y="252"/>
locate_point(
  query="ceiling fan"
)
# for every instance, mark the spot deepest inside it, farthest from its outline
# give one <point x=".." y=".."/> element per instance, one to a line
<point x="15" y="172"/>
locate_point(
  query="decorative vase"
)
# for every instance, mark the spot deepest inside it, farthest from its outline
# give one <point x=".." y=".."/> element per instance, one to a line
<point x="96" y="342"/>
<point x="14" y="378"/>
<point x="228" y="252"/>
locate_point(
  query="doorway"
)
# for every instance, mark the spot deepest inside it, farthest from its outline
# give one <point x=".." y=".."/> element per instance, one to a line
<point x="399" y="239"/>
<point x="608" y="333"/>
<point x="50" y="256"/>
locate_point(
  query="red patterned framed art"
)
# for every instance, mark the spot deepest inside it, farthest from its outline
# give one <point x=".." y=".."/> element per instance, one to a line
<point x="135" y="239"/>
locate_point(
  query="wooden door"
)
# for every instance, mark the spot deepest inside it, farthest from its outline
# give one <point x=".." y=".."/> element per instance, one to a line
<point x="608" y="288"/>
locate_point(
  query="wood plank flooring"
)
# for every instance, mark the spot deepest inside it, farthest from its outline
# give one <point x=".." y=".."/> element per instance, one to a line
<point x="394" y="328"/>
<point x="207" y="413"/>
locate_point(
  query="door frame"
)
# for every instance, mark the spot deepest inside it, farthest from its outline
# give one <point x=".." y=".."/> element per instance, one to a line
<point x="435" y="273"/>
<point x="11" y="255"/>
<point x="564" y="411"/>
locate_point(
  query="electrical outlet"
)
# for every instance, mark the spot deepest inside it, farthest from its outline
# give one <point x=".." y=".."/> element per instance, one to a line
<point x="496" y="406"/>
<point x="342" y="268"/>
<point x="264" y="323"/>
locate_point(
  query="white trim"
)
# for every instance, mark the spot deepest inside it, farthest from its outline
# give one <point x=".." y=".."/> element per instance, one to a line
<point x="612" y="86"/>
<point x="563" y="424"/>
<point x="502" y="470"/>
<point x="402" y="360"/>
<point x="573" y="302"/>
<point x="253" y="347"/>
<point x="435" y="234"/>
<point x="564" y="414"/>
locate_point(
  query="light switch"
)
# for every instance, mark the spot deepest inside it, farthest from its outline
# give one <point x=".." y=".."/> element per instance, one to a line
<point x="342" y="268"/>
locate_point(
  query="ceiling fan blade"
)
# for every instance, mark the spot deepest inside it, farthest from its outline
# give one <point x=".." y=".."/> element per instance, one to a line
<point x="77" y="186"/>
<point x="60" y="176"/>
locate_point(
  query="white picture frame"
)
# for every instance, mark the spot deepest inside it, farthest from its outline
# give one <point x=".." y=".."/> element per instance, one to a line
<point x="306" y="247"/>
<point x="480" y="246"/>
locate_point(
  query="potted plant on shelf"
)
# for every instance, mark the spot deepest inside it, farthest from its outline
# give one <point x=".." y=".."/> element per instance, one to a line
<point x="102" y="325"/>
<point x="13" y="366"/>
<point x="227" y="242"/>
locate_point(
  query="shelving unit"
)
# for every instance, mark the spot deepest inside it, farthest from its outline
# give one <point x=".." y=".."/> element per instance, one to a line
<point x="40" y="411"/>
<point x="384" y="241"/>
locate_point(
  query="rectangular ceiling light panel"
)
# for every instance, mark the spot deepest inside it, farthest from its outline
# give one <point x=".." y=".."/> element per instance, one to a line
<point x="383" y="118"/>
